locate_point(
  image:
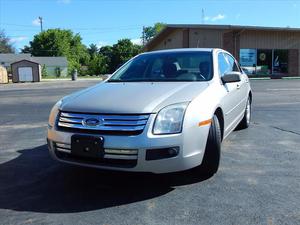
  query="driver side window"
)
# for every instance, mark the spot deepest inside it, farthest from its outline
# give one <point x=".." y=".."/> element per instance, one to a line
<point x="231" y="61"/>
<point x="223" y="64"/>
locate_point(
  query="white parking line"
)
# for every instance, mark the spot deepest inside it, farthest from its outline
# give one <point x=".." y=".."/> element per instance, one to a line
<point x="283" y="89"/>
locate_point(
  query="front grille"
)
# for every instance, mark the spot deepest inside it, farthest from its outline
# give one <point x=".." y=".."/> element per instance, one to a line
<point x="125" y="158"/>
<point x="129" y="124"/>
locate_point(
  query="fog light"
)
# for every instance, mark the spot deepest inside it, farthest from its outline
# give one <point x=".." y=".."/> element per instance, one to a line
<point x="161" y="153"/>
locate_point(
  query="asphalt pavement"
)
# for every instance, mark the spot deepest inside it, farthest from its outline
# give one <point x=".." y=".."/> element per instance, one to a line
<point x="258" y="181"/>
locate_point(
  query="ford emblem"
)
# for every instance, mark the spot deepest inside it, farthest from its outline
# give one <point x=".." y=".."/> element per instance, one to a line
<point x="91" y="122"/>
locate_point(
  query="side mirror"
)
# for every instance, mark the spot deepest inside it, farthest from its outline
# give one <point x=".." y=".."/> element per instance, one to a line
<point x="231" y="77"/>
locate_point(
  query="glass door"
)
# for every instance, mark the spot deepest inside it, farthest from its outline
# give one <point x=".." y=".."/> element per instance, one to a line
<point x="280" y="62"/>
<point x="264" y="62"/>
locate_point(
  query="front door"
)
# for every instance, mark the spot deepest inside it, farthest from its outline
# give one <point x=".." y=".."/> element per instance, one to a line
<point x="233" y="101"/>
<point x="25" y="74"/>
<point x="264" y="62"/>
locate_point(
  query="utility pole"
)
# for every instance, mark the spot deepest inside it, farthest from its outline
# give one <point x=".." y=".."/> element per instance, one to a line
<point x="143" y="36"/>
<point x="41" y="22"/>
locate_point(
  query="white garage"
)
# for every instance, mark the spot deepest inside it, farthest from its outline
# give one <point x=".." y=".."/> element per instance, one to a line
<point x="26" y="71"/>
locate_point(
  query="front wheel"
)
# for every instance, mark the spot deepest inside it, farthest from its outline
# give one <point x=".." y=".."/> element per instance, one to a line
<point x="247" y="116"/>
<point x="211" y="158"/>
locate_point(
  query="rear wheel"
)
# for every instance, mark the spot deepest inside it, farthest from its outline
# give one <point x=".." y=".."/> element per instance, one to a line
<point x="247" y="116"/>
<point x="211" y="158"/>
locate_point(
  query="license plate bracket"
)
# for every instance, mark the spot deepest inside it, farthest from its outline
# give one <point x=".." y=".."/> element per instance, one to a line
<point x="87" y="146"/>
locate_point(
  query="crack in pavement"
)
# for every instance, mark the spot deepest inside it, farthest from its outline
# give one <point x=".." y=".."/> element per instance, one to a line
<point x="278" y="128"/>
<point x="289" y="131"/>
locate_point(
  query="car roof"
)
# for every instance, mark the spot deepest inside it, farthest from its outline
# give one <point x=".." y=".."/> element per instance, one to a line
<point x="182" y="50"/>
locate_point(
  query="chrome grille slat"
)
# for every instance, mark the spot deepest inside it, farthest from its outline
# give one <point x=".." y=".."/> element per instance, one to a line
<point x="63" y="150"/>
<point x="62" y="145"/>
<point x="115" y="123"/>
<point x="124" y="157"/>
<point x="70" y="120"/>
<point x="128" y="123"/>
<point x="121" y="151"/>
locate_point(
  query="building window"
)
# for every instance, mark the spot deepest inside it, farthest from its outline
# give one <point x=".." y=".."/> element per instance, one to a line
<point x="280" y="62"/>
<point x="248" y="60"/>
<point x="264" y="61"/>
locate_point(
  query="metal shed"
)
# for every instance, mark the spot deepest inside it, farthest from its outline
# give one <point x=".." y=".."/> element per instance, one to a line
<point x="26" y="71"/>
<point x="3" y="75"/>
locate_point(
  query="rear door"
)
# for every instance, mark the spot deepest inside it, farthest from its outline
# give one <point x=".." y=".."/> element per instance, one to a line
<point x="25" y="74"/>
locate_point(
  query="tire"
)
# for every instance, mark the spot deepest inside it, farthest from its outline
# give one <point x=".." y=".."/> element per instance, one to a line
<point x="212" y="154"/>
<point x="245" y="123"/>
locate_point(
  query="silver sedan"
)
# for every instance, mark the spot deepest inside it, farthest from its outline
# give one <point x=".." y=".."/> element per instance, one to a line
<point x="161" y="112"/>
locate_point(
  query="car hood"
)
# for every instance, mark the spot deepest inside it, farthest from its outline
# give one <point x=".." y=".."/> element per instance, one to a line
<point x="131" y="97"/>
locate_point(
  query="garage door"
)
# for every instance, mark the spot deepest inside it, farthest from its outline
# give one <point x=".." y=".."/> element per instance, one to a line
<point x="25" y="74"/>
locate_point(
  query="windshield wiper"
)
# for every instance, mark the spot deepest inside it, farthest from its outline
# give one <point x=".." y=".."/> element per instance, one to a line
<point x="115" y="81"/>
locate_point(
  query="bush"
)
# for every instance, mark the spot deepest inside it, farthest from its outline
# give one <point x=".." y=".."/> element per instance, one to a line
<point x="57" y="72"/>
<point x="44" y="71"/>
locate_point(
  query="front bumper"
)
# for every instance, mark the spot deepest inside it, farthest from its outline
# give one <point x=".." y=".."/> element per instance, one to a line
<point x="191" y="144"/>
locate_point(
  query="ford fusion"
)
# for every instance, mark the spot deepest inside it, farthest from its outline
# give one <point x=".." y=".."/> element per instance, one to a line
<point x="162" y="111"/>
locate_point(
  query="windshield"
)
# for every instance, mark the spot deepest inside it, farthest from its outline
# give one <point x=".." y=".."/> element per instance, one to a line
<point x="167" y="66"/>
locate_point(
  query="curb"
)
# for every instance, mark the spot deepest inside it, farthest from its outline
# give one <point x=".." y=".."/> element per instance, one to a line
<point x="291" y="78"/>
<point x="260" y="78"/>
<point x="80" y="79"/>
<point x="268" y="78"/>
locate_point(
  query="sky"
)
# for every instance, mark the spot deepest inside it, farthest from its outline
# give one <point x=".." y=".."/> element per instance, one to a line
<point x="104" y="22"/>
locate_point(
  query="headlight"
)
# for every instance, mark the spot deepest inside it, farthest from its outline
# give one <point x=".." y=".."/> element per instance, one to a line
<point x="169" y="119"/>
<point x="53" y="114"/>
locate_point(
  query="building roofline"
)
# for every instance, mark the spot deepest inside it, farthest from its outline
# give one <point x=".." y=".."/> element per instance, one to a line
<point x="24" y="60"/>
<point x="171" y="27"/>
<point x="232" y="27"/>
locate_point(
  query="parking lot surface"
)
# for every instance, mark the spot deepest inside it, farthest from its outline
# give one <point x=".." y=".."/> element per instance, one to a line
<point x="258" y="181"/>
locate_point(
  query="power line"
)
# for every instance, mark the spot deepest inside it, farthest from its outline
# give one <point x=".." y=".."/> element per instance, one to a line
<point x="81" y="28"/>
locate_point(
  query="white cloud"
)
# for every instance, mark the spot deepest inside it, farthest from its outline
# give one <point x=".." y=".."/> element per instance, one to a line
<point x="36" y="22"/>
<point x="101" y="44"/>
<point x="137" y="41"/>
<point x="237" y="16"/>
<point x="18" y="39"/>
<point x="215" y="18"/>
<point x="218" y="17"/>
<point x="64" y="1"/>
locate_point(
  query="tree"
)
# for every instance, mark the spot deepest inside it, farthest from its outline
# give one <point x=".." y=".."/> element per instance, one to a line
<point x="119" y="53"/>
<point x="5" y="45"/>
<point x="97" y="65"/>
<point x="59" y="42"/>
<point x="26" y="49"/>
<point x="151" y="31"/>
<point x="106" y="52"/>
<point x="93" y="49"/>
